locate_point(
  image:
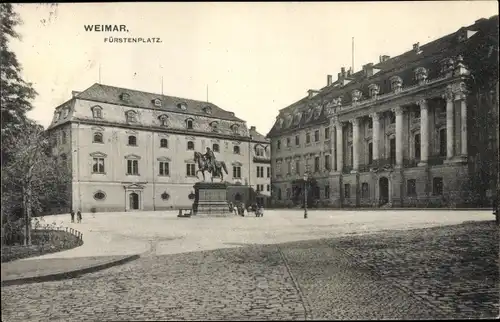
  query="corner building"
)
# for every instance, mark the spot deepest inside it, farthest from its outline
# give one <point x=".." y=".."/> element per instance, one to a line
<point x="399" y="133"/>
<point x="130" y="150"/>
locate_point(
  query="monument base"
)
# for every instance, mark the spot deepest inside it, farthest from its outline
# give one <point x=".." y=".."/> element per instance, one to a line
<point x="211" y="200"/>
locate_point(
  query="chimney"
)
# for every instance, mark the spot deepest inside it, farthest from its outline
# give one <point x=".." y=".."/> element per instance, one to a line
<point x="342" y="71"/>
<point x="328" y="80"/>
<point x="368" y="69"/>
<point x="349" y="71"/>
<point x="252" y="128"/>
<point x="74" y="93"/>
<point x="383" y="58"/>
<point x="416" y="47"/>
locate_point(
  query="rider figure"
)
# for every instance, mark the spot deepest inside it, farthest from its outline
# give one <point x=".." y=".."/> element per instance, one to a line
<point x="210" y="157"/>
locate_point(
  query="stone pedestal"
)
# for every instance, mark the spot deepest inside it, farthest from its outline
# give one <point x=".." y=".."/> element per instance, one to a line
<point x="211" y="199"/>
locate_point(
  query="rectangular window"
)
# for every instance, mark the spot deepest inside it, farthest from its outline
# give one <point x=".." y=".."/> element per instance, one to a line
<point x="327" y="162"/>
<point x="268" y="187"/>
<point x="190" y="170"/>
<point x="365" y="192"/>
<point x="98" y="166"/>
<point x="437" y="186"/>
<point x="237" y="172"/>
<point x="417" y="147"/>
<point x="411" y="187"/>
<point x="316" y="164"/>
<point x="347" y="190"/>
<point x="289" y="167"/>
<point x="63" y="138"/>
<point x="370" y="153"/>
<point x="316" y="136"/>
<point x="297" y="140"/>
<point x="327" y="192"/>
<point x="308" y="138"/>
<point x="262" y="172"/>
<point x="133" y="167"/>
<point x="269" y="172"/>
<point x="288" y="142"/>
<point x="392" y="150"/>
<point x="164" y="168"/>
<point x="297" y="167"/>
<point x="327" y="133"/>
<point x="442" y="142"/>
<point x="278" y="145"/>
<point x="258" y="172"/>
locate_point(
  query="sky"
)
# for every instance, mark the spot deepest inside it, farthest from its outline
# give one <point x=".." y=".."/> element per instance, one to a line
<point x="254" y="58"/>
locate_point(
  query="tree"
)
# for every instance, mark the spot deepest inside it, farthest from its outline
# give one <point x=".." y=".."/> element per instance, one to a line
<point x="33" y="179"/>
<point x="16" y="94"/>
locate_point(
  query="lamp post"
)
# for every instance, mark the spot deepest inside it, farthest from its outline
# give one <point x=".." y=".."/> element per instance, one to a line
<point x="305" y="195"/>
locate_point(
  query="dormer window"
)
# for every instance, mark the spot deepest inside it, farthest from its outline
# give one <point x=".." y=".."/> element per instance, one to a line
<point x="131" y="116"/>
<point x="297" y="118"/>
<point x="207" y="110"/>
<point x="157" y="102"/>
<point x="421" y="75"/>
<point x="182" y="106"/>
<point x="96" y="112"/>
<point x="279" y="123"/>
<point x="125" y="97"/>
<point x="374" y="90"/>
<point x="356" y="96"/>
<point x="189" y="124"/>
<point x="235" y="129"/>
<point x="259" y="151"/>
<point x="163" y="120"/>
<point x="447" y="67"/>
<point x="65" y="112"/>
<point x="215" y="126"/>
<point x="396" y="83"/>
<point x="317" y="112"/>
<point x="57" y="115"/>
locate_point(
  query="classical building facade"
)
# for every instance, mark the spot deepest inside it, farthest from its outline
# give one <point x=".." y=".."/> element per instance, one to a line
<point x="397" y="133"/>
<point x="131" y="150"/>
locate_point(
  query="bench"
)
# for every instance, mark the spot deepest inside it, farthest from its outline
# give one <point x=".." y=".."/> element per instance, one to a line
<point x="184" y="212"/>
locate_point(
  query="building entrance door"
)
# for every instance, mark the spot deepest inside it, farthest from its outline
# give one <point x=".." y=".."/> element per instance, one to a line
<point x="134" y="201"/>
<point x="383" y="186"/>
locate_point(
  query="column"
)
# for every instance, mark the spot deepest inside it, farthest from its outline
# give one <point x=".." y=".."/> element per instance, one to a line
<point x="340" y="146"/>
<point x="463" y="120"/>
<point x="355" y="144"/>
<point x="450" y="126"/>
<point x="375" y="135"/>
<point x="424" y="132"/>
<point x="332" y="145"/>
<point x="399" y="135"/>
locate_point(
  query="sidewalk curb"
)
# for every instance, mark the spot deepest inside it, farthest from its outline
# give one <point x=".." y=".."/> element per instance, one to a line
<point x="69" y="274"/>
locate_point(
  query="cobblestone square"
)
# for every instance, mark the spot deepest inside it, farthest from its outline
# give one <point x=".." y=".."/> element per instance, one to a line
<point x="334" y="265"/>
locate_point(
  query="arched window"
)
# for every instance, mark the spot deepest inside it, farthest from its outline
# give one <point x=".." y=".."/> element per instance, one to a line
<point x="131" y="116"/>
<point x="96" y="112"/>
<point x="97" y="137"/>
<point x="190" y="145"/>
<point x="189" y="124"/>
<point x="236" y="149"/>
<point x="132" y="140"/>
<point x="163" y="143"/>
<point x="163" y="120"/>
<point x="235" y="128"/>
<point x="215" y="147"/>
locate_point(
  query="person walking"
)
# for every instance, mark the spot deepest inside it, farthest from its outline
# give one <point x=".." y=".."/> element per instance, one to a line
<point x="72" y="216"/>
<point x="79" y="216"/>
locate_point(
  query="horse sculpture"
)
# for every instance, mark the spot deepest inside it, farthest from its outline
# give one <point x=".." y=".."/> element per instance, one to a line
<point x="203" y="166"/>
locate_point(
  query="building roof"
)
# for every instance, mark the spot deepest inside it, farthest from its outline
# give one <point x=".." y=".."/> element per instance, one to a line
<point x="429" y="56"/>
<point x="112" y="95"/>
<point x="256" y="136"/>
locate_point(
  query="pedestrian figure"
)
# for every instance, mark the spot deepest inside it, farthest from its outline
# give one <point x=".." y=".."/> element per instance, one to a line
<point x="79" y="216"/>
<point x="72" y="216"/>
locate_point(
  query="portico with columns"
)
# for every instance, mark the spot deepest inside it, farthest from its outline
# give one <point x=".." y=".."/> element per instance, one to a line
<point x="396" y="140"/>
<point x="398" y="130"/>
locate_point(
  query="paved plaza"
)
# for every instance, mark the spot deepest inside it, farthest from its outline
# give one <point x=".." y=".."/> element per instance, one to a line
<point x="333" y="265"/>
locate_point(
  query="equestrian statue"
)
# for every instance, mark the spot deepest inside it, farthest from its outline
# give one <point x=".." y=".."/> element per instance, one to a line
<point x="207" y="162"/>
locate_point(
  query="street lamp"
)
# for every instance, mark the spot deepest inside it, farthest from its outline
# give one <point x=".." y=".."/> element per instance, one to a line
<point x="305" y="194"/>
